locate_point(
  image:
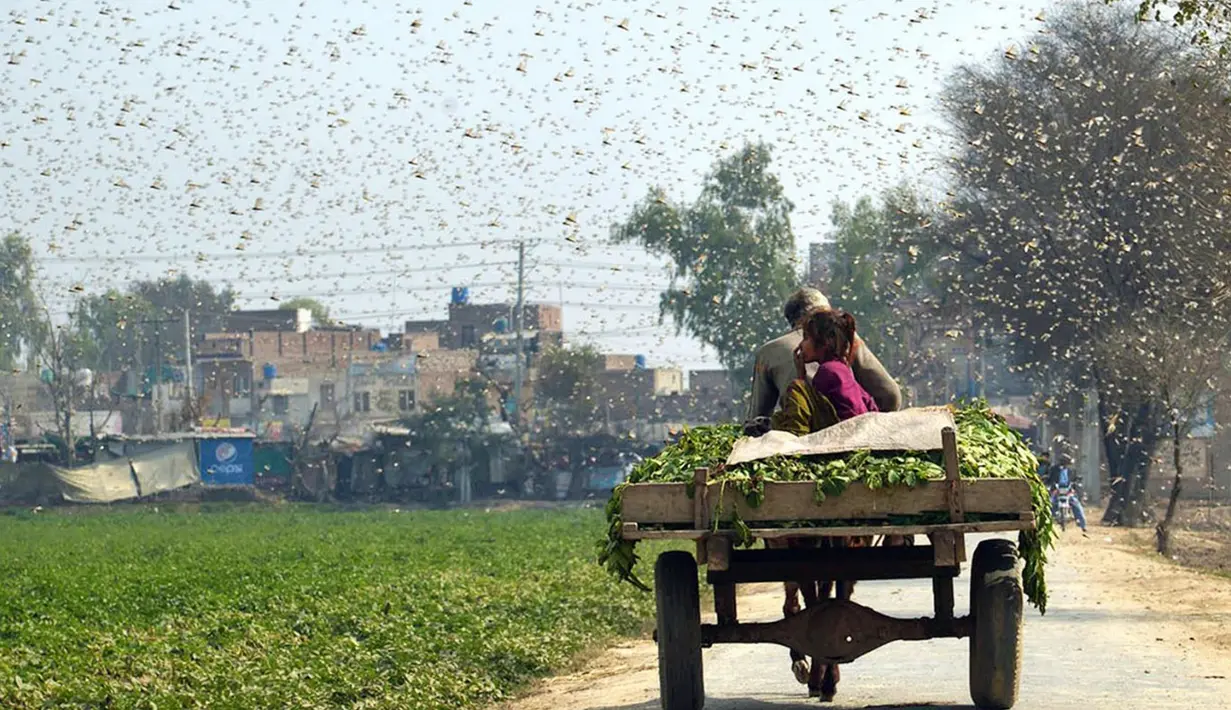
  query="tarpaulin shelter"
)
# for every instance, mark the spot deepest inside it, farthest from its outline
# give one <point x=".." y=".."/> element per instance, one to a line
<point x="164" y="469"/>
<point x="102" y="482"/>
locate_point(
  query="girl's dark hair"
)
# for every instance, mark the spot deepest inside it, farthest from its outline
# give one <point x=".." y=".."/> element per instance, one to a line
<point x="832" y="330"/>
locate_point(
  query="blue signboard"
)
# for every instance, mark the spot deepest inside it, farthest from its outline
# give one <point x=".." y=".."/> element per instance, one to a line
<point x="227" y="462"/>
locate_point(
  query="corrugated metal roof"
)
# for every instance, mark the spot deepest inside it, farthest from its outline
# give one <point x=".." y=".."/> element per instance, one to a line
<point x="181" y="436"/>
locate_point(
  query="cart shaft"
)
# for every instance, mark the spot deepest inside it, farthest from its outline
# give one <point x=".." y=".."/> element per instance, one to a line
<point x="836" y="631"/>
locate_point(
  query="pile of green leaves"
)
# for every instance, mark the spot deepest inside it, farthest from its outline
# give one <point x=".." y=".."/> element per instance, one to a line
<point x="297" y="608"/>
<point x="987" y="448"/>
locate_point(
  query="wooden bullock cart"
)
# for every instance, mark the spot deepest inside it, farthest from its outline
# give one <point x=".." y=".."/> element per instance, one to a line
<point x="837" y="631"/>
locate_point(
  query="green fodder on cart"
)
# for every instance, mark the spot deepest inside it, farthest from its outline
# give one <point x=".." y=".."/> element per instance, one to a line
<point x="987" y="448"/>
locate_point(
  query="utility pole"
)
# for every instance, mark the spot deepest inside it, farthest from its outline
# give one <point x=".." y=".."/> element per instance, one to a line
<point x="519" y="316"/>
<point x="188" y="383"/>
<point x="9" y="439"/>
<point x="157" y="377"/>
<point x="157" y="323"/>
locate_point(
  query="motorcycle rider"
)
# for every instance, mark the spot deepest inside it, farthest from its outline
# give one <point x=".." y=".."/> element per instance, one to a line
<point x="1062" y="476"/>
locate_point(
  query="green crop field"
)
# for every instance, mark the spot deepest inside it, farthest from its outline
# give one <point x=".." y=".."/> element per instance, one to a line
<point x="298" y="607"/>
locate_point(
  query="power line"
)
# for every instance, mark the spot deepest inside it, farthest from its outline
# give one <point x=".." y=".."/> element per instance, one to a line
<point x="613" y="306"/>
<point x="244" y="254"/>
<point x="383" y="272"/>
<point x="481" y="284"/>
<point x="427" y="313"/>
<point x="458" y="267"/>
<point x="447" y="267"/>
<point x="620" y="331"/>
<point x="364" y="291"/>
<point x="603" y="267"/>
<point x="424" y="314"/>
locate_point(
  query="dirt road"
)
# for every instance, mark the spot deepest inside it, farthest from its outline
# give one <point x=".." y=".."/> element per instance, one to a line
<point x="1123" y="631"/>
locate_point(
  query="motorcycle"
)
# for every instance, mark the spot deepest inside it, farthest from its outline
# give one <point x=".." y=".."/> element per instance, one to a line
<point x="1064" y="508"/>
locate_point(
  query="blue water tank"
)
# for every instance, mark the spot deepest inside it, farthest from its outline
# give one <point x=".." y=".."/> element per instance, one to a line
<point x="269" y="371"/>
<point x="639" y="362"/>
<point x="461" y="296"/>
<point x="501" y="326"/>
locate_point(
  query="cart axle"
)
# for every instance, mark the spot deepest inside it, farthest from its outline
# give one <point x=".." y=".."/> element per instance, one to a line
<point x="836" y="631"/>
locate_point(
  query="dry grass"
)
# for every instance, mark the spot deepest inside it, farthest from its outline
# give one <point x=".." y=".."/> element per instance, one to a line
<point x="1200" y="539"/>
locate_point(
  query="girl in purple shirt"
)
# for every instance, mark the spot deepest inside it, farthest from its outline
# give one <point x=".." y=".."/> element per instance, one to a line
<point x="829" y="340"/>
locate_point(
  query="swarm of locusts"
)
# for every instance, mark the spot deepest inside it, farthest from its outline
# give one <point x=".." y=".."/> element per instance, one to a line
<point x="987" y="448"/>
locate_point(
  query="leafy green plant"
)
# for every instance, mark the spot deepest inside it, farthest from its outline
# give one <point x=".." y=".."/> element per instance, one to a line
<point x="987" y="448"/>
<point x="305" y="607"/>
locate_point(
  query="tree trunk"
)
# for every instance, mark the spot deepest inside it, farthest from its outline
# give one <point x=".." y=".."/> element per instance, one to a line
<point x="299" y="447"/>
<point x="93" y="433"/>
<point x="70" y="446"/>
<point x="577" y="465"/>
<point x="1128" y="446"/>
<point x="1162" y="532"/>
<point x="1114" y="450"/>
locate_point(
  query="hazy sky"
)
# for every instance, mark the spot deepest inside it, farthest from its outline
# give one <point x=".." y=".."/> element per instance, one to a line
<point x="413" y="145"/>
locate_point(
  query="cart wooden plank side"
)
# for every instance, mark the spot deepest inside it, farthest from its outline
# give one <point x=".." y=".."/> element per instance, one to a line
<point x="837" y="631"/>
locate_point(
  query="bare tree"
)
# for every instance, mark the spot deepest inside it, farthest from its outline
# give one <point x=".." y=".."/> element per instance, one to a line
<point x="60" y="357"/>
<point x="1173" y="368"/>
<point x="1088" y="204"/>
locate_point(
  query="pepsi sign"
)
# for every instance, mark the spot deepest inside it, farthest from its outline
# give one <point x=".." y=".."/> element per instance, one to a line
<point x="227" y="462"/>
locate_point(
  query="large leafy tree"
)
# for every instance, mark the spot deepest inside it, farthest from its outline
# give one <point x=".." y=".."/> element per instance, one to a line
<point x="1089" y="199"/>
<point x="115" y="322"/>
<point x="732" y="251"/>
<point x="21" y="327"/>
<point x="206" y="304"/>
<point x="144" y="323"/>
<point x="454" y="430"/>
<point x="568" y="388"/>
<point x="882" y="267"/>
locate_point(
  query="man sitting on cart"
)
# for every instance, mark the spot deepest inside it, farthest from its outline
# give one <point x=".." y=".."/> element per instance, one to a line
<point x="778" y="366"/>
<point x="784" y="399"/>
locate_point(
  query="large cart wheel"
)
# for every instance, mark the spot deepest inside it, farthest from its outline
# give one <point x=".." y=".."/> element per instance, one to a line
<point x="996" y="639"/>
<point x="679" y="631"/>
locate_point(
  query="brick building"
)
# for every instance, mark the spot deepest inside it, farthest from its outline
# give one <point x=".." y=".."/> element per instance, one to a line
<point x="713" y="396"/>
<point x="339" y="370"/>
<point x="414" y="341"/>
<point x="488" y="328"/>
<point x="469" y="323"/>
<point x="631" y="394"/>
<point x="614" y="362"/>
<point x="356" y="376"/>
<point x="713" y="383"/>
<point x="294" y="321"/>
<point x="230" y="370"/>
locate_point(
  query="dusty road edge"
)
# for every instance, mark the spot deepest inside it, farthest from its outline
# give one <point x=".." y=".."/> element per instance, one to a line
<point x="1194" y="608"/>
